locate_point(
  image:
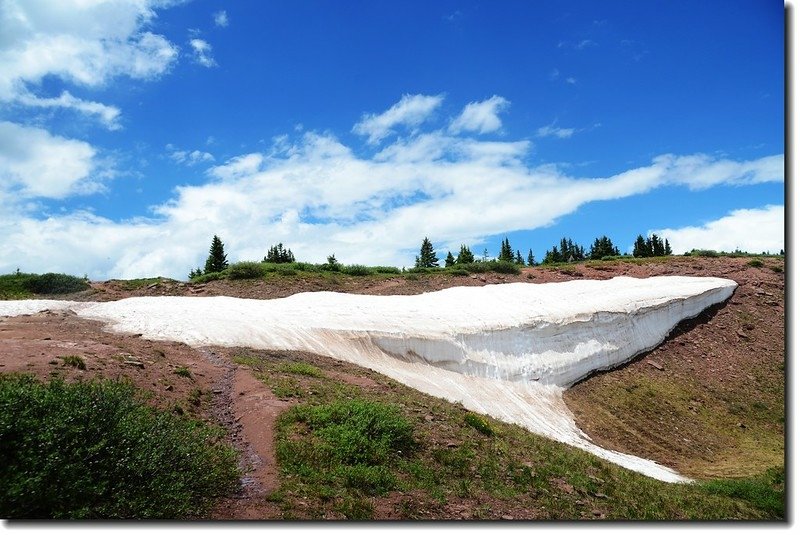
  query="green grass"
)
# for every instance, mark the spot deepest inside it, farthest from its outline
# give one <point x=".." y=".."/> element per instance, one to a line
<point x="765" y="492"/>
<point x="183" y="371"/>
<point x="75" y="361"/>
<point x="342" y="448"/>
<point x="93" y="450"/>
<point x="301" y="368"/>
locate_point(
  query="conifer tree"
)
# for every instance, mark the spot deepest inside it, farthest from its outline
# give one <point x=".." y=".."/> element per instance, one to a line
<point x="217" y="259"/>
<point x="427" y="256"/>
<point x="277" y="254"/>
<point x="640" y="247"/>
<point x="506" y="253"/>
<point x="602" y="247"/>
<point x="667" y="248"/>
<point x="449" y="260"/>
<point x="531" y="259"/>
<point x="465" y="256"/>
<point x="518" y="259"/>
<point x="485" y="255"/>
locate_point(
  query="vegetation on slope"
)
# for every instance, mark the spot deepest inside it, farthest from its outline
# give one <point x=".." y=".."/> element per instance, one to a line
<point x="92" y="450"/>
<point x="432" y="459"/>
<point x="24" y="285"/>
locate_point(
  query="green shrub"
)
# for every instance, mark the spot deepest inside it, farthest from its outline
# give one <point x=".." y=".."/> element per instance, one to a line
<point x="386" y="269"/>
<point x="476" y="267"/>
<point x="505" y="267"/>
<point x="479" y="423"/>
<point x="55" y="283"/>
<point x="246" y="270"/>
<point x="286" y="270"/>
<point x="419" y="270"/>
<point x="356" y="269"/>
<point x="755" y="262"/>
<point x="207" y="277"/>
<point x="776" y="269"/>
<point x="92" y="450"/>
<point x="609" y="258"/>
<point x="704" y="252"/>
<point x="458" y="272"/>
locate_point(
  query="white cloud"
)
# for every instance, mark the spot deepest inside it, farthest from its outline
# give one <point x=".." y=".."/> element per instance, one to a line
<point x="34" y="163"/>
<point x="221" y="19"/>
<point x="108" y="115"/>
<point x="202" y="52"/>
<point x="315" y="194"/>
<point x="410" y="111"/>
<point x="751" y="230"/>
<point x="86" y="43"/>
<point x="552" y="130"/>
<point x="191" y="158"/>
<point x="481" y="117"/>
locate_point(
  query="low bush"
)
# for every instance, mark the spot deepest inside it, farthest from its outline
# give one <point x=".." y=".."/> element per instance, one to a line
<point x="386" y="269"/>
<point x="755" y="262"/>
<point x="92" y="450"/>
<point x="458" y="272"/>
<point x="505" y="267"/>
<point x="208" y="277"/>
<point x="246" y="270"/>
<point x="419" y="270"/>
<point x="704" y="252"/>
<point x="476" y="267"/>
<point x="357" y="270"/>
<point x="55" y="283"/>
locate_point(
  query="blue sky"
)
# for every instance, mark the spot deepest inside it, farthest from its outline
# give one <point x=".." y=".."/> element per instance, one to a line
<point x="131" y="131"/>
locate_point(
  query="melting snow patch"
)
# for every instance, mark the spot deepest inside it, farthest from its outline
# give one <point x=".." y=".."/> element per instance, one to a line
<point x="508" y="350"/>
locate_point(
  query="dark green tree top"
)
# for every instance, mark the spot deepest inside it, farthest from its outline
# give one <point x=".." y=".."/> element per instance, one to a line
<point x="427" y="256"/>
<point x="465" y="256"/>
<point x="217" y="259"/>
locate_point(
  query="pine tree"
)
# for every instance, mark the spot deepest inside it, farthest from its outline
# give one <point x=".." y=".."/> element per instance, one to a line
<point x="518" y="259"/>
<point x="506" y="253"/>
<point x="667" y="248"/>
<point x="427" y="256"/>
<point x="531" y="259"/>
<point x="658" y="245"/>
<point x="485" y="255"/>
<point x="465" y="256"/>
<point x="449" y="260"/>
<point x="278" y="255"/>
<point x="640" y="247"/>
<point x="602" y="247"/>
<point x="217" y="259"/>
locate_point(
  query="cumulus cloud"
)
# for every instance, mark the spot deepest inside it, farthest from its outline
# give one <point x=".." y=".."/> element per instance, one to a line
<point x="481" y="117"/>
<point x="81" y="43"/>
<point x="319" y="195"/>
<point x="34" y="163"/>
<point x="202" y="52"/>
<point x="221" y="19"/>
<point x="751" y="230"/>
<point x="411" y="111"/>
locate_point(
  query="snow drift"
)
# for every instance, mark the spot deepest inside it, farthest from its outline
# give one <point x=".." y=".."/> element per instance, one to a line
<point x="506" y="350"/>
